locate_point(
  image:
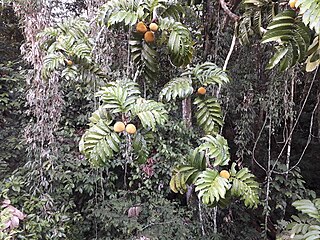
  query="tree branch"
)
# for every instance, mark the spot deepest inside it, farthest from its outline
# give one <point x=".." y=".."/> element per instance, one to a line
<point x="225" y="8"/>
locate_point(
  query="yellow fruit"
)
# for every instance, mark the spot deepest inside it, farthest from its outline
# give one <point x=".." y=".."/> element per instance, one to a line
<point x="131" y="129"/>
<point x="119" y="127"/>
<point x="69" y="62"/>
<point x="153" y="27"/>
<point x="149" y="37"/>
<point x="292" y="3"/>
<point x="141" y="27"/>
<point x="225" y="174"/>
<point x="202" y="91"/>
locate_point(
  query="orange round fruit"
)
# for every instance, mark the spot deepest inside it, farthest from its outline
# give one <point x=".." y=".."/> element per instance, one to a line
<point x="202" y="91"/>
<point x="141" y="27"/>
<point x="69" y="62"/>
<point x="131" y="129"/>
<point x="149" y="37"/>
<point x="153" y="27"/>
<point x="292" y="3"/>
<point x="119" y="127"/>
<point x="225" y="174"/>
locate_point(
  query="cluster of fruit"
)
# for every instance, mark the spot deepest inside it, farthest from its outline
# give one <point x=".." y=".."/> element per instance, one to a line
<point x="148" y="33"/>
<point x="120" y="127"/>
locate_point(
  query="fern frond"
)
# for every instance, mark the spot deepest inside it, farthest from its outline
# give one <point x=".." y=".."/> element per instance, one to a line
<point x="178" y="87"/>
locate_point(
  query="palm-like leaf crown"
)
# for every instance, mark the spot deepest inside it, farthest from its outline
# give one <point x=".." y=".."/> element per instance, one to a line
<point x="121" y="101"/>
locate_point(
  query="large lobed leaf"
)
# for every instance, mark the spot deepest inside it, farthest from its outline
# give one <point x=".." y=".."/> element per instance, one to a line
<point x="216" y="147"/>
<point x="211" y="187"/>
<point x="208" y="114"/>
<point x="119" y="97"/>
<point x="188" y="173"/>
<point x="209" y="74"/>
<point x="178" y="87"/>
<point x="179" y="43"/>
<point x="100" y="142"/>
<point x="244" y="186"/>
<point x="150" y="113"/>
<point x="293" y="37"/>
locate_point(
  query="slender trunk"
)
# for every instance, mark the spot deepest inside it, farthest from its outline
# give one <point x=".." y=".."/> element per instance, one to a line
<point x="215" y="225"/>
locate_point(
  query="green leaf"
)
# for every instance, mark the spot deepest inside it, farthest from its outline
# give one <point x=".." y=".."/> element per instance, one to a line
<point x="99" y="143"/>
<point x="216" y="147"/>
<point x="178" y="87"/>
<point x="211" y="187"/>
<point x="150" y="113"/>
<point x="208" y="114"/>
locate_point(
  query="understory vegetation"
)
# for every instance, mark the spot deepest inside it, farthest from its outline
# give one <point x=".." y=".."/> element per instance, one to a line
<point x="159" y="119"/>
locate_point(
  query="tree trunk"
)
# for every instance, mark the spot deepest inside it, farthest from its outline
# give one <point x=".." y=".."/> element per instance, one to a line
<point x="186" y="111"/>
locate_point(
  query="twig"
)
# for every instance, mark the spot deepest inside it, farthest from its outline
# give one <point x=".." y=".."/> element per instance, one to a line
<point x="225" y="8"/>
<point x="268" y="176"/>
<point x="309" y="138"/>
<point x="255" y="146"/>
<point x="233" y="43"/>
<point x="296" y="122"/>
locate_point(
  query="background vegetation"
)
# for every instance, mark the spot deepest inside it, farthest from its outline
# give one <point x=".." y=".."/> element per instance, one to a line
<point x="64" y="65"/>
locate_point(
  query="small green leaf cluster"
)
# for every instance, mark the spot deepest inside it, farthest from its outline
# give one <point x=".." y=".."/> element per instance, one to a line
<point x="306" y="226"/>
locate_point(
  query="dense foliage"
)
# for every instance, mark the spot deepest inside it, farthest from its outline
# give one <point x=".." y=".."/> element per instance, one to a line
<point x="159" y="119"/>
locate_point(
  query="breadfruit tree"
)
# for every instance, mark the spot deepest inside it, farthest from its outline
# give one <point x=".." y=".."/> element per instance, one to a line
<point x="200" y="169"/>
<point x="124" y="117"/>
<point x="150" y="21"/>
